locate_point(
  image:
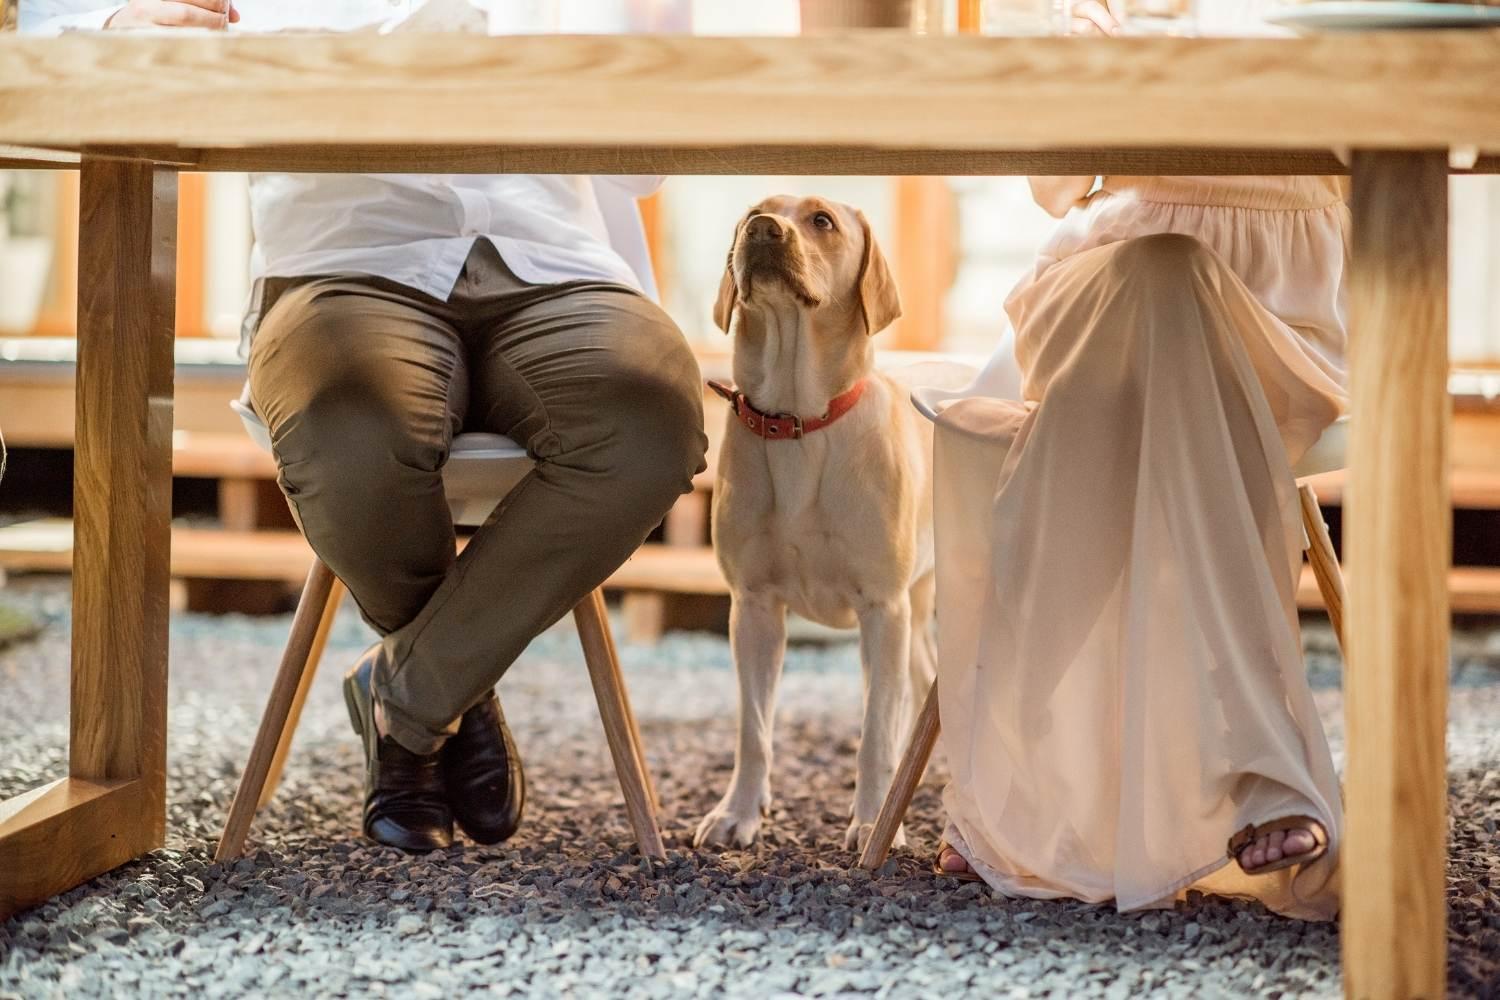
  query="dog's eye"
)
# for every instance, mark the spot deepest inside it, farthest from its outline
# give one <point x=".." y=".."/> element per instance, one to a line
<point x="823" y="220"/>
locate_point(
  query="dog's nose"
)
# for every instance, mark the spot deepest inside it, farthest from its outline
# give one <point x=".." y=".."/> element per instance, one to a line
<point x="764" y="229"/>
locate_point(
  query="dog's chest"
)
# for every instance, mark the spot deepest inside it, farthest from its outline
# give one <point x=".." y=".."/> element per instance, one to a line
<point x="801" y="524"/>
<point x="815" y="567"/>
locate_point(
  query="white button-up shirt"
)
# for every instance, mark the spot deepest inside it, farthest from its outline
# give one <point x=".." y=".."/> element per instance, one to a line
<point x="415" y="229"/>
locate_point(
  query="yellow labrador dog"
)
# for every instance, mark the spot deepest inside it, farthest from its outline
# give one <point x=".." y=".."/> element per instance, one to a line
<point x="824" y="498"/>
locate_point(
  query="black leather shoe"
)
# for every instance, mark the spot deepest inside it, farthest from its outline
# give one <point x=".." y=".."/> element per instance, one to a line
<point x="404" y="802"/>
<point x="483" y="775"/>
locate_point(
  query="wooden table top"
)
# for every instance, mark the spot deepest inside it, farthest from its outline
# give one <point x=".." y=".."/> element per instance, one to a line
<point x="857" y="103"/>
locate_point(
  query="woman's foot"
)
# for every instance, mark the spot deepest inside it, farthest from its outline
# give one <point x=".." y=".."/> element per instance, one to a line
<point x="1280" y="846"/>
<point x="951" y="862"/>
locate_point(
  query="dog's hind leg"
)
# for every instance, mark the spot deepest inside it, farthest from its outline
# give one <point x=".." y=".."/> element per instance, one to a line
<point x="757" y="635"/>
<point x="885" y="651"/>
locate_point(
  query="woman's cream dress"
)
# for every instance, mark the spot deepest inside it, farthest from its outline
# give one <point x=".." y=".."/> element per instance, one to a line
<point x="1121" y="679"/>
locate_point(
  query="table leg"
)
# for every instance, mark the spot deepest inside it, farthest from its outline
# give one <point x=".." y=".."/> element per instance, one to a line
<point x="1398" y="525"/>
<point x="112" y="806"/>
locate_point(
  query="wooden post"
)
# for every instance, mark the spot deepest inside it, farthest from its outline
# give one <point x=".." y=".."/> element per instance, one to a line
<point x="649" y="613"/>
<point x="968" y="17"/>
<point x="59" y="317"/>
<point x="122" y="476"/>
<point x="60" y="308"/>
<point x="1397" y="551"/>
<point x="191" y="250"/>
<point x="112" y="806"/>
<point x="924" y="260"/>
<point x="653" y="222"/>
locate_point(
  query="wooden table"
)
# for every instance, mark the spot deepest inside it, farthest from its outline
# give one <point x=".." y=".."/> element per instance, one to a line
<point x="135" y="110"/>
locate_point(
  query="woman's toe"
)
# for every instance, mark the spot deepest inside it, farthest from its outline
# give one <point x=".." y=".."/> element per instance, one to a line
<point x="953" y="862"/>
<point x="1276" y="846"/>
<point x="1273" y="846"/>
<point x="1298" y="842"/>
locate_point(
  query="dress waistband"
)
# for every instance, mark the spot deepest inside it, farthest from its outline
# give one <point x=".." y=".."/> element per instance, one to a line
<point x="1276" y="194"/>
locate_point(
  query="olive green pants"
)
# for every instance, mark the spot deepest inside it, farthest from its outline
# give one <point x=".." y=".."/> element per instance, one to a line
<point x="363" y="383"/>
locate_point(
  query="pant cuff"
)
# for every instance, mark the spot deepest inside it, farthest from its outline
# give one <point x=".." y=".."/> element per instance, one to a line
<point x="404" y="728"/>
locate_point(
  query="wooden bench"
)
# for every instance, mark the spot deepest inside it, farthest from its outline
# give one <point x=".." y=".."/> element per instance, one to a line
<point x="199" y="553"/>
<point x="46" y="545"/>
<point x="253" y="559"/>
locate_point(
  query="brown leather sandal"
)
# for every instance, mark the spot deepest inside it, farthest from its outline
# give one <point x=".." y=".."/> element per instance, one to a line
<point x="1251" y="834"/>
<point x="967" y="875"/>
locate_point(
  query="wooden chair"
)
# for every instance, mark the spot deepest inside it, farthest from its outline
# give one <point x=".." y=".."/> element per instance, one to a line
<point x="1326" y="455"/>
<point x="481" y="470"/>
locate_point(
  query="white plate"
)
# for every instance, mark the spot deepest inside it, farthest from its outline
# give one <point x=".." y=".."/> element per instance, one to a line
<point x="1377" y="15"/>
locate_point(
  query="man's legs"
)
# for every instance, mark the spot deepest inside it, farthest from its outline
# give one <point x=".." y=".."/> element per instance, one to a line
<point x="362" y="385"/>
<point x="599" y="384"/>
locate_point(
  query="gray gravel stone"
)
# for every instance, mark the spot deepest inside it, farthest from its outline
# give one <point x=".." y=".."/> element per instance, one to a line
<point x="568" y="908"/>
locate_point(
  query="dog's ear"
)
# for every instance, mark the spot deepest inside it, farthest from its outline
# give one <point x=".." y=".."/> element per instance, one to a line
<point x="729" y="291"/>
<point x="878" y="298"/>
<point x="729" y="294"/>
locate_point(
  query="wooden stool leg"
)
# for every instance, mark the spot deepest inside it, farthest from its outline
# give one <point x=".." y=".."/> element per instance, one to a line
<point x="1325" y="564"/>
<point x="314" y="657"/>
<point x="904" y="786"/>
<point x="635" y="729"/>
<point x="614" y="710"/>
<point x="294" y="663"/>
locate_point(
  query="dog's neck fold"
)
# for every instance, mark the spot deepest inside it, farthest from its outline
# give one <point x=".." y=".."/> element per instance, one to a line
<point x="790" y="360"/>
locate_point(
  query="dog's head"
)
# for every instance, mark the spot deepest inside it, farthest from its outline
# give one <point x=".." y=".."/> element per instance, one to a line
<point x="807" y="253"/>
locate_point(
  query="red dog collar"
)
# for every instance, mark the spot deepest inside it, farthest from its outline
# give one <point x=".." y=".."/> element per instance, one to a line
<point x="786" y="426"/>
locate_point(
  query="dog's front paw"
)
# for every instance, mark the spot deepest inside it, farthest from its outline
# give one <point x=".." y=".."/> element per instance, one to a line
<point x="733" y="822"/>
<point x="859" y="833"/>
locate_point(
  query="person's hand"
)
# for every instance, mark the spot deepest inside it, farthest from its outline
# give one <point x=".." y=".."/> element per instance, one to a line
<point x="175" y="14"/>
<point x="1097" y="17"/>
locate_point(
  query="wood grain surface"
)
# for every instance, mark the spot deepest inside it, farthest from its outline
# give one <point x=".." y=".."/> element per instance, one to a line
<point x="59" y="835"/>
<point x="861" y="90"/>
<point x="1397" y="525"/>
<point x="122" y="479"/>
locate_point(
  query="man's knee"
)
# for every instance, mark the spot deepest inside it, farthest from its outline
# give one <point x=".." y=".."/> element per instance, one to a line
<point x="652" y="412"/>
<point x="332" y="408"/>
<point x="330" y="391"/>
<point x="347" y="429"/>
<point x="366" y="491"/>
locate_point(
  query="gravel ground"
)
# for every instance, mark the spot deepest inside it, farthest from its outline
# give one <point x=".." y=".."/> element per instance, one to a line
<point x="568" y="909"/>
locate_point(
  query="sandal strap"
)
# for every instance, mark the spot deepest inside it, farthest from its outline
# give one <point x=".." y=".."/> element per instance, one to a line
<point x="1241" y="840"/>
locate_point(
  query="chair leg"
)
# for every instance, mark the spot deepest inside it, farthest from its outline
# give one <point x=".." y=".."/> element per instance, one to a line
<point x="635" y="729"/>
<point x="614" y="710"/>
<point x="1325" y="564"/>
<point x="908" y="775"/>
<point x="295" y="661"/>
<point x="314" y="657"/>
